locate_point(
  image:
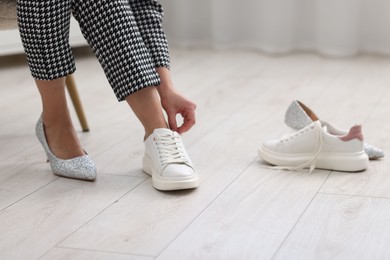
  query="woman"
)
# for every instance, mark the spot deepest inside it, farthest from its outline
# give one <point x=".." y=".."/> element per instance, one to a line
<point x="128" y="39"/>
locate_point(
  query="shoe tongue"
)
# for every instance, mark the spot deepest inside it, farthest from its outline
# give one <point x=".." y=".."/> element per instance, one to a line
<point x="324" y="127"/>
<point x="163" y="131"/>
<point x="317" y="122"/>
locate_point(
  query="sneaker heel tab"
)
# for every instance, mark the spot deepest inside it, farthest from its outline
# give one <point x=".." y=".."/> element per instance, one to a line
<point x="354" y="133"/>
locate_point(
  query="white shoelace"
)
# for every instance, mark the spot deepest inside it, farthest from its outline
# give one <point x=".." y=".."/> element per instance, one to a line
<point x="170" y="149"/>
<point x="312" y="161"/>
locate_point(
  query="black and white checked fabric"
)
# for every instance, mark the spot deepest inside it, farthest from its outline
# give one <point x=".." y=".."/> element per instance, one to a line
<point x="126" y="36"/>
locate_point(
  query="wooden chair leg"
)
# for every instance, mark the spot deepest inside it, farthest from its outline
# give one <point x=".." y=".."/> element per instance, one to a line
<point x="74" y="96"/>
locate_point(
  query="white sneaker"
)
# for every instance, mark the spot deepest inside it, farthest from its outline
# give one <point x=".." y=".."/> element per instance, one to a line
<point x="298" y="115"/>
<point x="315" y="146"/>
<point x="167" y="161"/>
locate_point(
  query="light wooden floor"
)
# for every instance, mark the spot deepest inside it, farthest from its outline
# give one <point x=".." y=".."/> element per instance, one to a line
<point x="242" y="210"/>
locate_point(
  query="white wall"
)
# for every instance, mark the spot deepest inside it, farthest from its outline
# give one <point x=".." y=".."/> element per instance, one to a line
<point x="334" y="27"/>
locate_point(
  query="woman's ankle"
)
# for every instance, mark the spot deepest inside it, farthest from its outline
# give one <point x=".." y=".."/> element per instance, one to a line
<point x="150" y="131"/>
<point x="57" y="119"/>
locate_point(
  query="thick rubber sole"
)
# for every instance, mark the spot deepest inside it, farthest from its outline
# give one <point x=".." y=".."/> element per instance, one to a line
<point x="169" y="184"/>
<point x="345" y="162"/>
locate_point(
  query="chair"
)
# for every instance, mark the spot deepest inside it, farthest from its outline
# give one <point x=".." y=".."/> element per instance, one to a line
<point x="8" y="21"/>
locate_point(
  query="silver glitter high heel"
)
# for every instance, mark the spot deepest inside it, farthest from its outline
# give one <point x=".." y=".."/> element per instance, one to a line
<point x="298" y="115"/>
<point x="81" y="168"/>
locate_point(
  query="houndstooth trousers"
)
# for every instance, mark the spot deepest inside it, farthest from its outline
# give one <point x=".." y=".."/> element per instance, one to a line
<point x="126" y="36"/>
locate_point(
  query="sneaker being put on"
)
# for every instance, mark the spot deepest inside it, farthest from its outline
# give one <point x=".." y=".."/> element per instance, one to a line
<point x="167" y="161"/>
<point x="314" y="146"/>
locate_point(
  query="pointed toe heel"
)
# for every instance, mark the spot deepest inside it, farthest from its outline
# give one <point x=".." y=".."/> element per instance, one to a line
<point x="82" y="167"/>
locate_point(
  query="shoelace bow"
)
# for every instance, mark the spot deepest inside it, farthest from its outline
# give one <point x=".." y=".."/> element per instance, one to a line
<point x="312" y="161"/>
<point x="170" y="150"/>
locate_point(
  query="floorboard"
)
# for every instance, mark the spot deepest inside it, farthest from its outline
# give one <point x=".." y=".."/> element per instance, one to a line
<point x="242" y="209"/>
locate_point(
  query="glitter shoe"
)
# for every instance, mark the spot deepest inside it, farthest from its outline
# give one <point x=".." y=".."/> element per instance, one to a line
<point x="298" y="115"/>
<point x="167" y="161"/>
<point x="81" y="168"/>
<point x="314" y="146"/>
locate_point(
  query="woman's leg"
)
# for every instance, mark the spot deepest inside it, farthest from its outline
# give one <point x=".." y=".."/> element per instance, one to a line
<point x="151" y="115"/>
<point x="149" y="16"/>
<point x="111" y="29"/>
<point x="112" y="32"/>
<point x="129" y="41"/>
<point x="60" y="133"/>
<point x="44" y="30"/>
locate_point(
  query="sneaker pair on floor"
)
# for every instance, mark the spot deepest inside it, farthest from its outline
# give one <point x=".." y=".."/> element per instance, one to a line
<point x="318" y="144"/>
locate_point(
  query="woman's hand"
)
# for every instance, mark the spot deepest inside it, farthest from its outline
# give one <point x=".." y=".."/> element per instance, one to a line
<point x="174" y="103"/>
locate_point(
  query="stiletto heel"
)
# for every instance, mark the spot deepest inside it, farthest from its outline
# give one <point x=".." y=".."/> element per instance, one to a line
<point x="81" y="167"/>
